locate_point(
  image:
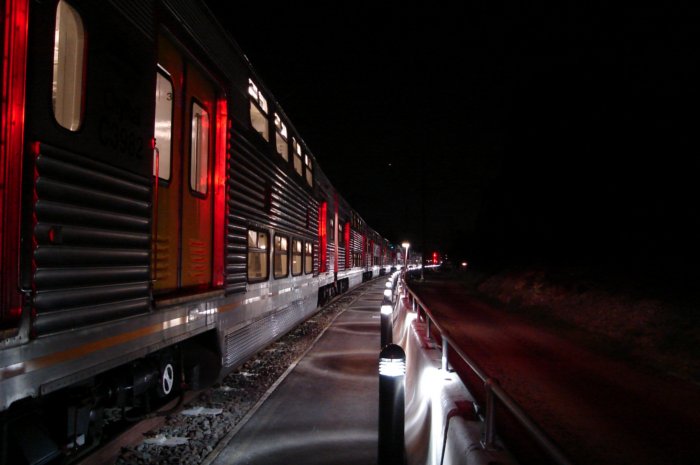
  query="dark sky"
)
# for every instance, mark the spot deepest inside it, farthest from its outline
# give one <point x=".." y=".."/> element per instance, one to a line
<point x="495" y="131"/>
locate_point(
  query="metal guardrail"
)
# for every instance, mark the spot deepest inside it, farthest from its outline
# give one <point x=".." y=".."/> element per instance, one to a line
<point x="493" y="390"/>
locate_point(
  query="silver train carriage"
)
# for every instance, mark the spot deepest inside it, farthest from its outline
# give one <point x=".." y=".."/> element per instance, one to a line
<point x="162" y="220"/>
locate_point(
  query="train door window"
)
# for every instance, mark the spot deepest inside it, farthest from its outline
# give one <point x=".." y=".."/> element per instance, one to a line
<point x="163" y="128"/>
<point x="258" y="110"/>
<point x="281" y="138"/>
<point x="68" y="67"/>
<point x="308" y="257"/>
<point x="257" y="255"/>
<point x="297" y="156"/>
<point x="281" y="255"/>
<point x="188" y="229"/>
<point x="309" y="170"/>
<point x="296" y="257"/>
<point x="199" y="150"/>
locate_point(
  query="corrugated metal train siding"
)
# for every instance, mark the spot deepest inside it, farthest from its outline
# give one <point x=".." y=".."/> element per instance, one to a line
<point x="355" y="241"/>
<point x="261" y="193"/>
<point x="341" y="258"/>
<point x="139" y="13"/>
<point x="198" y="24"/>
<point x="91" y="260"/>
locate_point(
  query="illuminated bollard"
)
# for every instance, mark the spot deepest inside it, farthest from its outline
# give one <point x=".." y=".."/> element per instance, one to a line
<point x="388" y="294"/>
<point x="386" y="323"/>
<point x="392" y="371"/>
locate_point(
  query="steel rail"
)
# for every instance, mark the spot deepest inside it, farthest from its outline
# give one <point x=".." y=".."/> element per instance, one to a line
<point x="493" y="390"/>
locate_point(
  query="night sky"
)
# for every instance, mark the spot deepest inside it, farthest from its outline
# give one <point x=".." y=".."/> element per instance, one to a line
<point x="497" y="133"/>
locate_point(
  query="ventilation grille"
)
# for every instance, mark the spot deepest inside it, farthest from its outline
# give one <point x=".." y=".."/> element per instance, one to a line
<point x="244" y="343"/>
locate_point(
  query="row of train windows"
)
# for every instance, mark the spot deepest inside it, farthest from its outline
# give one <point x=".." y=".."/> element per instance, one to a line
<point x="356" y="259"/>
<point x="259" y="114"/>
<point x="302" y="254"/>
<point x="67" y="103"/>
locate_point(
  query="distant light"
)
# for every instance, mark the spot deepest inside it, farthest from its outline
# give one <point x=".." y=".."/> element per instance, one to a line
<point x="386" y="310"/>
<point x="405" y="245"/>
<point x="464" y="264"/>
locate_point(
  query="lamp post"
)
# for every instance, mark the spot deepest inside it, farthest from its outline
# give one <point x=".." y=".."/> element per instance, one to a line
<point x="406" y="245"/>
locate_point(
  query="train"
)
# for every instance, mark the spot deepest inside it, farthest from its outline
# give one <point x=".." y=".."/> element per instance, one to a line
<point x="162" y="218"/>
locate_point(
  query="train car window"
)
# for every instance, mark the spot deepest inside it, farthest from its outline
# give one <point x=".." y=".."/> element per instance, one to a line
<point x="309" y="170"/>
<point x="308" y="257"/>
<point x="296" y="257"/>
<point x="297" y="156"/>
<point x="281" y="262"/>
<point x="163" y="131"/>
<point x="68" y="67"/>
<point x="281" y="138"/>
<point x="199" y="149"/>
<point x="258" y="110"/>
<point x="257" y="255"/>
<point x="358" y="259"/>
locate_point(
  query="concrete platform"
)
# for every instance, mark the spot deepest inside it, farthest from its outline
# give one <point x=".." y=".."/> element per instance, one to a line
<point x="325" y="411"/>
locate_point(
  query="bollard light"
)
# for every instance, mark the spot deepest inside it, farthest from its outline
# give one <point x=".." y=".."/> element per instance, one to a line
<point x="386" y="330"/>
<point x="392" y="368"/>
<point x="388" y="284"/>
<point x="387" y="293"/>
<point x="406" y="245"/>
<point x="392" y="371"/>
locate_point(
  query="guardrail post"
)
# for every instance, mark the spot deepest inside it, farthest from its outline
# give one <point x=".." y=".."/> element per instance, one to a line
<point x="490" y="420"/>
<point x="392" y="370"/>
<point x="445" y="351"/>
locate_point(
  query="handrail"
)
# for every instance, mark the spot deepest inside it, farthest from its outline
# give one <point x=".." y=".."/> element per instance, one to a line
<point x="493" y="389"/>
<point x="156" y="183"/>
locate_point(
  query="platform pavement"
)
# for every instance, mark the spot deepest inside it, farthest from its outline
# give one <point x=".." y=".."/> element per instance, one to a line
<point x="326" y="410"/>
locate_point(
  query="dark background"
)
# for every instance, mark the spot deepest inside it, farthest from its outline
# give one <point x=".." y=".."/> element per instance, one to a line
<point x="500" y="134"/>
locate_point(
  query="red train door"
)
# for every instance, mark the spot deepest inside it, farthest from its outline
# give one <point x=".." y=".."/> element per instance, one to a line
<point x="185" y="133"/>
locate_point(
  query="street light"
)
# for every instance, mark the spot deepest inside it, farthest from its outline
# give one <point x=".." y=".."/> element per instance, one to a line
<point x="406" y="245"/>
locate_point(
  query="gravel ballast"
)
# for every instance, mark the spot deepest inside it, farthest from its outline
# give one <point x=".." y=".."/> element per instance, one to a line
<point x="190" y="439"/>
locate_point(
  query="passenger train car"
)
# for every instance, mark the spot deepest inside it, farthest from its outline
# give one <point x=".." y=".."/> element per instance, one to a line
<point x="162" y="219"/>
